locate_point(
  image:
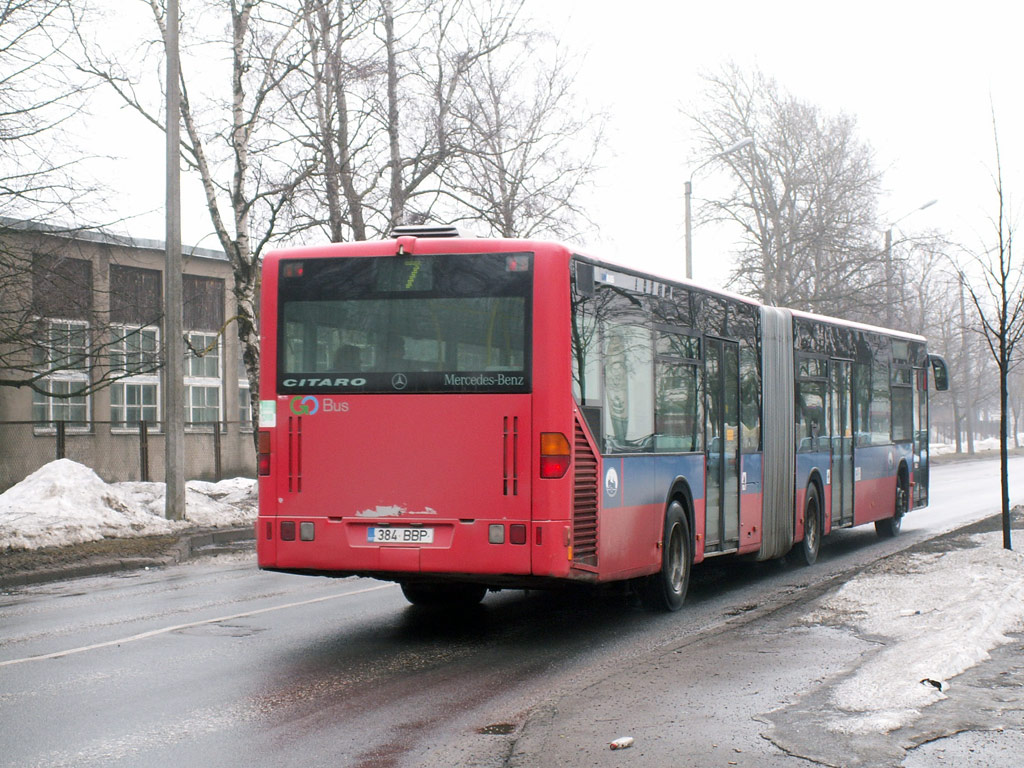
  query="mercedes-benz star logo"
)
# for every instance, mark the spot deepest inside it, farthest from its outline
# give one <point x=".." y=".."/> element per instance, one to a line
<point x="399" y="381"/>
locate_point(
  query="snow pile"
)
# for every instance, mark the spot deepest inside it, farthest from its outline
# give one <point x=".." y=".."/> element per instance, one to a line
<point x="988" y="444"/>
<point x="67" y="503"/>
<point x="942" y="615"/>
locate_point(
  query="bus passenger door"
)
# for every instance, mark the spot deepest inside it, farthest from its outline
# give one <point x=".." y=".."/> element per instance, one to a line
<point x="920" y="408"/>
<point x="722" y="495"/>
<point x="842" y="444"/>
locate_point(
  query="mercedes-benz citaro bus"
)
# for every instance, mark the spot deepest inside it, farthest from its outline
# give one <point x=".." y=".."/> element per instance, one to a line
<point x="458" y="415"/>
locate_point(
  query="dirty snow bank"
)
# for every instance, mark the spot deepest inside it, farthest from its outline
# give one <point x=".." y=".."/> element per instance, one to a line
<point x="939" y="617"/>
<point x="65" y="503"/>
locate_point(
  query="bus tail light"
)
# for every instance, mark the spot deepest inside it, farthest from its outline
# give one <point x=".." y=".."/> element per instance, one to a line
<point x="554" y="454"/>
<point x="263" y="455"/>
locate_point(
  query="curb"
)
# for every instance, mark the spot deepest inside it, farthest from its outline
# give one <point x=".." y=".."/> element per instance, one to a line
<point x="189" y="545"/>
<point x="542" y="719"/>
<point x="214" y="541"/>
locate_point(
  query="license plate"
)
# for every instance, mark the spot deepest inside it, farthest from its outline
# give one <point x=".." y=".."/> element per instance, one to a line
<point x="392" y="535"/>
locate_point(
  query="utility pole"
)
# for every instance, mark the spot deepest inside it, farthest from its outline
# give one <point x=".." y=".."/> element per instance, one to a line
<point x="888" y="278"/>
<point x="688" y="192"/>
<point x="890" y="315"/>
<point x="174" y="349"/>
<point x="967" y="388"/>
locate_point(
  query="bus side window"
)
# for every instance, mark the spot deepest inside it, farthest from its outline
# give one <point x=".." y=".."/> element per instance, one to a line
<point x="811" y="432"/>
<point x="586" y="368"/>
<point x="750" y="399"/>
<point x="678" y="415"/>
<point x="628" y="388"/>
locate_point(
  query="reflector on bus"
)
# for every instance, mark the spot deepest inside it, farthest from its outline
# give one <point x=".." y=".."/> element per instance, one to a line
<point x="291" y="269"/>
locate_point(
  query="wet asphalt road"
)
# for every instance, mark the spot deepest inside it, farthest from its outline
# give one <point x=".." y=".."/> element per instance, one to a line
<point x="213" y="663"/>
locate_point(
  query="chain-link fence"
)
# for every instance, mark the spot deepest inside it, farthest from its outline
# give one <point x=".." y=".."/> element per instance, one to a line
<point x="119" y="452"/>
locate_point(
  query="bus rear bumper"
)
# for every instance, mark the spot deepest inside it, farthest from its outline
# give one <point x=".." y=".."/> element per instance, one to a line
<point x="486" y="550"/>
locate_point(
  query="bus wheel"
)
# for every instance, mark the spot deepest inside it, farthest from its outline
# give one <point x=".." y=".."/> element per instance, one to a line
<point x="449" y="595"/>
<point x="806" y="553"/>
<point x="890" y="527"/>
<point x="666" y="590"/>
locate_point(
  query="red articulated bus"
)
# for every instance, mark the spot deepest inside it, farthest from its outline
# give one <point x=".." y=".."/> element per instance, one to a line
<point x="458" y="415"/>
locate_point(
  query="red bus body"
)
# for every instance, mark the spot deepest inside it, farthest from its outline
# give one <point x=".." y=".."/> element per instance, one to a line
<point x="517" y="488"/>
<point x="458" y="463"/>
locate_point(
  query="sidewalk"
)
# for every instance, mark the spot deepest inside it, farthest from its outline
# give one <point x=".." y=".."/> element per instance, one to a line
<point x="111" y="555"/>
<point x="765" y="689"/>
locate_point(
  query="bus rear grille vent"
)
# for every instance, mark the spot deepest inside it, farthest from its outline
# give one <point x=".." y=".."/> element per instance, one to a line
<point x="295" y="454"/>
<point x="584" y="502"/>
<point x="510" y="456"/>
<point x="424" y="230"/>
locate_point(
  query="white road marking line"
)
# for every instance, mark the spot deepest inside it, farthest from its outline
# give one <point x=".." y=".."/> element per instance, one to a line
<point x="176" y="627"/>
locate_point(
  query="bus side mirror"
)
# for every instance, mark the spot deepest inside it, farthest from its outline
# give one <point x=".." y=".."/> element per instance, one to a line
<point x="940" y="372"/>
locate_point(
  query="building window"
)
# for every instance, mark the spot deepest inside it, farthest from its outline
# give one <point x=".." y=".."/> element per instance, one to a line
<point x="244" y="403"/>
<point x="62" y="404"/>
<point x="63" y="352"/>
<point x="136" y="396"/>
<point x="64" y="347"/>
<point x="202" y="379"/>
<point x="61" y="287"/>
<point x="136" y="296"/>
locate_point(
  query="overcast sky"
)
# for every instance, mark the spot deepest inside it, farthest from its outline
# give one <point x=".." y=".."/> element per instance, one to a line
<point x="918" y="76"/>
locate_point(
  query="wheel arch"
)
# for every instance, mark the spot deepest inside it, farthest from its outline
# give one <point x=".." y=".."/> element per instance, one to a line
<point x="903" y="471"/>
<point x="680" y="491"/>
<point x="903" y="477"/>
<point x="816" y="481"/>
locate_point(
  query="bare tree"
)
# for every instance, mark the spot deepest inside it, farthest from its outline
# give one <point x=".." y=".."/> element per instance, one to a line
<point x="332" y="99"/>
<point x="375" y="105"/>
<point x="37" y="99"/>
<point x="42" y="185"/>
<point x="528" y="149"/>
<point x="460" y="36"/>
<point x="805" y="198"/>
<point x="1015" y="391"/>
<point x="998" y="298"/>
<point x="231" y="141"/>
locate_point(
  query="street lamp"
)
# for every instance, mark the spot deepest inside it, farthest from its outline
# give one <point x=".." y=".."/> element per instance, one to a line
<point x="888" y="261"/>
<point x="747" y="142"/>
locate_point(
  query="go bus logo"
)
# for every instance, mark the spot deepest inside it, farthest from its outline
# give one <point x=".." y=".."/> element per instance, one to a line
<point x="308" y="405"/>
<point x="304" y="405"/>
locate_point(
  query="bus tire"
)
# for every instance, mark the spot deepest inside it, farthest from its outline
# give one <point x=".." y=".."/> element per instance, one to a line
<point x="666" y="590"/>
<point x="806" y="552"/>
<point x="890" y="527"/>
<point x="446" y="595"/>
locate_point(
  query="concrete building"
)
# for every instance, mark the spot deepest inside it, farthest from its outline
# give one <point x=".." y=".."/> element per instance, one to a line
<point x="81" y="316"/>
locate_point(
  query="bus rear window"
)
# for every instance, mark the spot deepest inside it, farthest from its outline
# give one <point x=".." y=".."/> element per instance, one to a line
<point x="404" y="324"/>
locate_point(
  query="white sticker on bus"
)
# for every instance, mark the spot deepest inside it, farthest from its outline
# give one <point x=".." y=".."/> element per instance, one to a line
<point x="611" y="482"/>
<point x="268" y="413"/>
